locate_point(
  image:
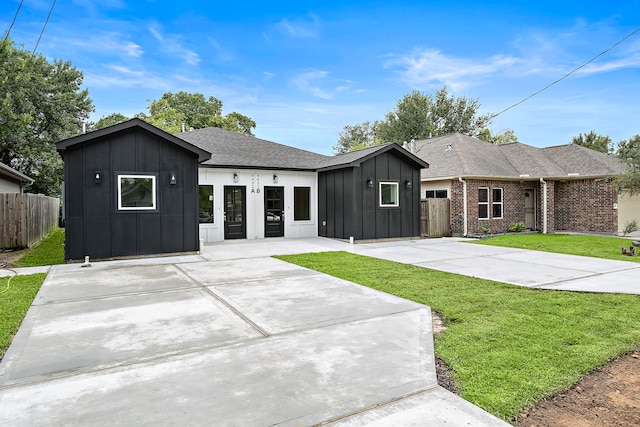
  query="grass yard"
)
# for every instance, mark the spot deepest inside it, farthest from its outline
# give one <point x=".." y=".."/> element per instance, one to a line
<point x="16" y="295"/>
<point x="48" y="251"/>
<point x="573" y="244"/>
<point x="507" y="346"/>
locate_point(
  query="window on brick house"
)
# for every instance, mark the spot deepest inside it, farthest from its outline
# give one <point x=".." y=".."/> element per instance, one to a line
<point x="483" y="203"/>
<point x="437" y="194"/>
<point x="496" y="203"/>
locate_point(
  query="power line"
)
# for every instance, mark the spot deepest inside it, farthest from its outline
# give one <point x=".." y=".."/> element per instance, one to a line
<point x="43" y="27"/>
<point x="566" y="75"/>
<point x="13" y="22"/>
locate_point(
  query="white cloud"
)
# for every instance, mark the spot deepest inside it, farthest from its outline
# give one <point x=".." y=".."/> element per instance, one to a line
<point x="172" y="44"/>
<point x="299" y="28"/>
<point x="628" y="58"/>
<point x="433" y="68"/>
<point x="108" y="43"/>
<point x="156" y="34"/>
<point x="304" y="83"/>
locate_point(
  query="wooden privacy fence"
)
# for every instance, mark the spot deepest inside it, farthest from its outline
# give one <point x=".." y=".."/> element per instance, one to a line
<point x="435" y="217"/>
<point x="26" y="218"/>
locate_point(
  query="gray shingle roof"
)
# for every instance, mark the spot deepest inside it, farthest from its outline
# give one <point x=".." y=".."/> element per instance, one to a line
<point x="230" y="149"/>
<point x="354" y="158"/>
<point x="460" y="155"/>
<point x="14" y="175"/>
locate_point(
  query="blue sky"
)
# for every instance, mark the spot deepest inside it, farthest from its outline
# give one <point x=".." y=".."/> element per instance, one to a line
<point x="303" y="70"/>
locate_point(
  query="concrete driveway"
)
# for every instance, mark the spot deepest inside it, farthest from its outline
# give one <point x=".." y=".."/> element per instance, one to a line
<point x="229" y="337"/>
<point x="532" y="269"/>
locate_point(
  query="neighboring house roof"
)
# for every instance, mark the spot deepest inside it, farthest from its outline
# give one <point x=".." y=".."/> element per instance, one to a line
<point x="458" y="155"/>
<point x="13" y="175"/>
<point x="355" y="158"/>
<point x="129" y="124"/>
<point x="234" y="150"/>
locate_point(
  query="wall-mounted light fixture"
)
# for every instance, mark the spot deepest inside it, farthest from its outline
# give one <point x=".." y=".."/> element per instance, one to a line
<point x="408" y="184"/>
<point x="97" y="177"/>
<point x="369" y="183"/>
<point x="235" y="178"/>
<point x="172" y="178"/>
<point x="275" y="178"/>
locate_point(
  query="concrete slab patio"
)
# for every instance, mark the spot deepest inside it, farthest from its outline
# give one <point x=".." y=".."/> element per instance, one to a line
<point x="234" y="337"/>
<point x="212" y="340"/>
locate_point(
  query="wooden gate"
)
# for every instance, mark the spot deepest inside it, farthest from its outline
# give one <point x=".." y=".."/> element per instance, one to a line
<point x="435" y="217"/>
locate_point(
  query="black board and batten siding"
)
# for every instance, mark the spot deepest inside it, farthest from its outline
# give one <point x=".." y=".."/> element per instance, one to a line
<point x="95" y="226"/>
<point x="349" y="207"/>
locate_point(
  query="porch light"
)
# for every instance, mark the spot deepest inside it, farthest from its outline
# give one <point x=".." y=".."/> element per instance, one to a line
<point x="408" y="184"/>
<point x="275" y="178"/>
<point x="369" y="183"/>
<point x="172" y="179"/>
<point x="235" y="177"/>
<point x="97" y="177"/>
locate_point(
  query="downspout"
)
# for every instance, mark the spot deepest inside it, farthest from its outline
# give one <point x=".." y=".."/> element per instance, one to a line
<point x="544" y="205"/>
<point x="464" y="206"/>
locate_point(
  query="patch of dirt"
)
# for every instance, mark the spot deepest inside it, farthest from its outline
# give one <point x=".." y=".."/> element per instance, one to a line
<point x="9" y="257"/>
<point x="608" y="397"/>
<point x="442" y="370"/>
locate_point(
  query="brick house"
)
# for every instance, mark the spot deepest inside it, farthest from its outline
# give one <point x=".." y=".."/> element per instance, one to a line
<point x="552" y="189"/>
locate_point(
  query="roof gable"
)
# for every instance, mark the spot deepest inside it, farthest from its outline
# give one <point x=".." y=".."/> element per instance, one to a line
<point x="128" y="125"/>
<point x="355" y="158"/>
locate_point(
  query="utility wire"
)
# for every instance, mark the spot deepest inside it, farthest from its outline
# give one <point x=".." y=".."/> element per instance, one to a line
<point x="43" y="27"/>
<point x="13" y="22"/>
<point x="566" y="75"/>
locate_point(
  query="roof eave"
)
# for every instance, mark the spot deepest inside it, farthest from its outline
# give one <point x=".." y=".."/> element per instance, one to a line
<point x="61" y="146"/>
<point x="18" y="176"/>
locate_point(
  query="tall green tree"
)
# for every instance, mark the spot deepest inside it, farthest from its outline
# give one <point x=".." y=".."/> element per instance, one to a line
<point x="239" y="123"/>
<point x="108" y="120"/>
<point x="594" y="141"/>
<point x="164" y="116"/>
<point x="41" y="102"/>
<point x="356" y="137"/>
<point x="505" y="137"/>
<point x="194" y="111"/>
<point x="629" y="151"/>
<point x="418" y="116"/>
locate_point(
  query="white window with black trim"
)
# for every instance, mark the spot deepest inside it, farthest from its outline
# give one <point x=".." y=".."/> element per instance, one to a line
<point x="205" y="207"/>
<point x="301" y="203"/>
<point x="437" y="194"/>
<point x="496" y="203"/>
<point x="389" y="197"/>
<point x="483" y="203"/>
<point x="137" y="192"/>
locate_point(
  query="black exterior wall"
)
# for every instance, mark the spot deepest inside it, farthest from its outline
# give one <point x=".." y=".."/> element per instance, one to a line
<point x="94" y="225"/>
<point x="348" y="207"/>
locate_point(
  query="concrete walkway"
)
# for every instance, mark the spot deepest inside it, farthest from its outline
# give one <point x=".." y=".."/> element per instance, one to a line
<point x="230" y="337"/>
<point x="234" y="337"/>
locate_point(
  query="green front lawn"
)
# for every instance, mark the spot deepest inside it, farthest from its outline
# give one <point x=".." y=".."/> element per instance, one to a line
<point x="16" y="295"/>
<point x="48" y="251"/>
<point x="573" y="244"/>
<point x="508" y="347"/>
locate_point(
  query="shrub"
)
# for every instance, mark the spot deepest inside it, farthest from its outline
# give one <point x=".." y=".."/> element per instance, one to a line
<point x="630" y="227"/>
<point x="517" y="227"/>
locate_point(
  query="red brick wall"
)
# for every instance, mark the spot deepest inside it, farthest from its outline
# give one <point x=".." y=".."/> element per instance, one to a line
<point x="512" y="205"/>
<point x="585" y="205"/>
